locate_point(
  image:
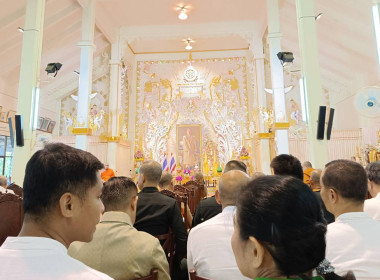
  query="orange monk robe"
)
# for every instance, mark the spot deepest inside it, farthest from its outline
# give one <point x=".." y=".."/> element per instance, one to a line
<point x="107" y="174"/>
<point x="306" y="175"/>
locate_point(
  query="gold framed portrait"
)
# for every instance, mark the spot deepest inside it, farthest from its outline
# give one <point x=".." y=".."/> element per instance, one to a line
<point x="189" y="145"/>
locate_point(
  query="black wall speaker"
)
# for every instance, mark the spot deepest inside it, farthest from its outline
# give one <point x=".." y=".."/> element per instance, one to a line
<point x="19" y="131"/>
<point x="321" y="122"/>
<point x="11" y="132"/>
<point x="330" y="123"/>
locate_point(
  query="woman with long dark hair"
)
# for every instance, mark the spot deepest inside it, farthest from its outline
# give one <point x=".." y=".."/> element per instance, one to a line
<point x="280" y="231"/>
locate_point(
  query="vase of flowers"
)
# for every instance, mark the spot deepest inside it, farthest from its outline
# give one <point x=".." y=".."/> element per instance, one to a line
<point x="139" y="156"/>
<point x="179" y="179"/>
<point x="244" y="153"/>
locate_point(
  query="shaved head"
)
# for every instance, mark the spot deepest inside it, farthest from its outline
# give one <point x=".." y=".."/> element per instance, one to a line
<point x="152" y="171"/>
<point x="230" y="185"/>
<point x="315" y="177"/>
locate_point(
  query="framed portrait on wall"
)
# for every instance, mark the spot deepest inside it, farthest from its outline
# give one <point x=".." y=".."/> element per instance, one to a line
<point x="40" y="122"/>
<point x="3" y="117"/>
<point x="189" y="145"/>
<point x="45" y="124"/>
<point x="51" y="126"/>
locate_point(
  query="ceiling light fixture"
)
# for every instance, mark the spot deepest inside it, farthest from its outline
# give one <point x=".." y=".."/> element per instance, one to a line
<point x="182" y="15"/>
<point x="285" y="57"/>
<point x="188" y="44"/>
<point x="20" y="29"/>
<point x="317" y="17"/>
<point x="53" y="68"/>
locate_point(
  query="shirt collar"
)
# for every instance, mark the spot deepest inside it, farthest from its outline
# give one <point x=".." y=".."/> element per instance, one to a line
<point x="34" y="243"/>
<point x="116" y="216"/>
<point x="352" y="216"/>
<point x="149" y="190"/>
<point x="229" y="209"/>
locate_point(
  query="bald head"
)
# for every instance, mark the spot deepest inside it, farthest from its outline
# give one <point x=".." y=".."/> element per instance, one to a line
<point x="3" y="181"/>
<point x="306" y="165"/>
<point x="230" y="185"/>
<point x="315" y="179"/>
<point x="166" y="180"/>
<point x="150" y="173"/>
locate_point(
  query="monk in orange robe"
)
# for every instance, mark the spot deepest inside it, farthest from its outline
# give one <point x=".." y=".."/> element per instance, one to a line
<point x="107" y="173"/>
<point x="307" y="169"/>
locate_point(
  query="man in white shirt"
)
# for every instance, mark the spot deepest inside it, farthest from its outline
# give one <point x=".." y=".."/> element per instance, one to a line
<point x="372" y="206"/>
<point x="352" y="241"/>
<point x="62" y="189"/>
<point x="209" y="249"/>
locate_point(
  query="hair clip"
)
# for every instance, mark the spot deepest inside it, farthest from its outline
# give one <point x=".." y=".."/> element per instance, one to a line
<point x="325" y="267"/>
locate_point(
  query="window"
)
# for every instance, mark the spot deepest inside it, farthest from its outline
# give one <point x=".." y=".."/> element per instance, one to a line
<point x="6" y="156"/>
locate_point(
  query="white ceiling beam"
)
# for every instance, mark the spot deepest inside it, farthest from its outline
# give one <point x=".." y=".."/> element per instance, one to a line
<point x="104" y="22"/>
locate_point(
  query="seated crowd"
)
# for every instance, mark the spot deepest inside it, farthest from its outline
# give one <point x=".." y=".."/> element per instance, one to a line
<point x="80" y="221"/>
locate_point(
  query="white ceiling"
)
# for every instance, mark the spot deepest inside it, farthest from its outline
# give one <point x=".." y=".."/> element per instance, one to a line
<point x="347" y="49"/>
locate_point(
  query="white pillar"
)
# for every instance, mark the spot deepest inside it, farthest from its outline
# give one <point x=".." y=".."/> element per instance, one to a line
<point x="312" y="78"/>
<point x="85" y="80"/>
<point x="277" y="74"/>
<point x="261" y="102"/>
<point x="28" y="85"/>
<point x="114" y="105"/>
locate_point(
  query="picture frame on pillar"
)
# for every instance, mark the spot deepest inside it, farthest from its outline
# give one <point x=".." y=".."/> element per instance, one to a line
<point x="45" y="124"/>
<point x="3" y="117"/>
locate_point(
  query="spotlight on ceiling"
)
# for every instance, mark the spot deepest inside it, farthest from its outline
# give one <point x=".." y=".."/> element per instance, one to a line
<point x="188" y="44"/>
<point x="318" y="16"/>
<point x="182" y="15"/>
<point x="285" y="57"/>
<point x="20" y="29"/>
<point x="53" y="68"/>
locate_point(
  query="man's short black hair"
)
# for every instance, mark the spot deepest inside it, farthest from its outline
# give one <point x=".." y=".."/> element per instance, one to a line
<point x="117" y="193"/>
<point x="373" y="172"/>
<point x="235" y="165"/>
<point x="55" y="170"/>
<point x="287" y="165"/>
<point x="347" y="178"/>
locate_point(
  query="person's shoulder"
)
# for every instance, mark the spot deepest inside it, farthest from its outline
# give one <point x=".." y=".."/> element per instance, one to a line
<point x="83" y="271"/>
<point x="210" y="223"/>
<point x="207" y="201"/>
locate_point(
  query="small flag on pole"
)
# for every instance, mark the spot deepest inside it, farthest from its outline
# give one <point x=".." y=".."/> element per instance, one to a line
<point x="165" y="164"/>
<point x="172" y="164"/>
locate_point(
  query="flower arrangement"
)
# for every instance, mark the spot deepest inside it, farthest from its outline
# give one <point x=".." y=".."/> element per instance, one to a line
<point x="178" y="178"/>
<point x="139" y="155"/>
<point x="186" y="171"/>
<point x="244" y="153"/>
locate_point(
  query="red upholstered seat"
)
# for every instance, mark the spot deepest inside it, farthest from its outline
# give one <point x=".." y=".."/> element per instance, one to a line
<point x="11" y="215"/>
<point x="168" y="246"/>
<point x="17" y="189"/>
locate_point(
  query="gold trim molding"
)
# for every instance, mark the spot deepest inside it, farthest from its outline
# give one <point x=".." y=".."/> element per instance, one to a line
<point x="281" y="125"/>
<point x="112" y="138"/>
<point x="82" y="131"/>
<point x="265" y="135"/>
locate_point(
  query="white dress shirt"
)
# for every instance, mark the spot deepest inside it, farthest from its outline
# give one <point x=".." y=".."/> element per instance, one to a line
<point x="353" y="243"/>
<point x="209" y="248"/>
<point x="39" y="258"/>
<point x="372" y="207"/>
